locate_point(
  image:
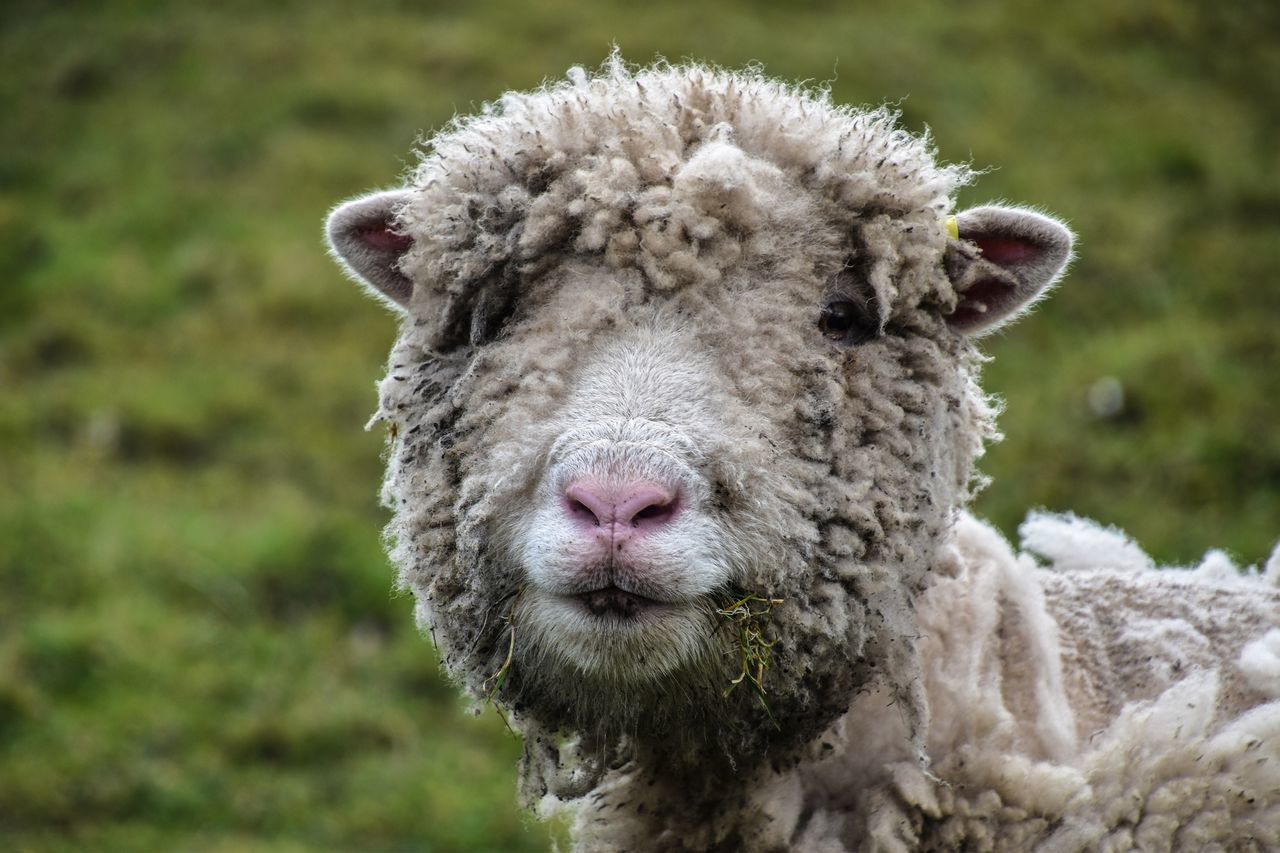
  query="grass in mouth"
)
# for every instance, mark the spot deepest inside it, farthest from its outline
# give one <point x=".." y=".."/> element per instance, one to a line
<point x="750" y="616"/>
<point x="499" y="677"/>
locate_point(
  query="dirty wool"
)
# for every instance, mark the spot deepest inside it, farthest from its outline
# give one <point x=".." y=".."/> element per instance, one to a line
<point x="685" y="416"/>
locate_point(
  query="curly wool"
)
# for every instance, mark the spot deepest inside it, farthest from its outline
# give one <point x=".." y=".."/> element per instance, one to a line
<point x="681" y="172"/>
<point x="674" y="179"/>
<point x="680" y="224"/>
<point x="1174" y="743"/>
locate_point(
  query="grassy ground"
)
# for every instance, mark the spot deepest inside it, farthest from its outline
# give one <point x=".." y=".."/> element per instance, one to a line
<point x="199" y="649"/>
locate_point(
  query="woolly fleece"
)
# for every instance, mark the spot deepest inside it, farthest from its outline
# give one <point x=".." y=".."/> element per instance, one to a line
<point x="637" y="261"/>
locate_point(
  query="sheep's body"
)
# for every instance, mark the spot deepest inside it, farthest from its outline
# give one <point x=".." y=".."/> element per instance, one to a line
<point x="680" y="338"/>
<point x="1099" y="703"/>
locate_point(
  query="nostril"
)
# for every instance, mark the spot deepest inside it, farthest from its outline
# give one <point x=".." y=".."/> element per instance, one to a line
<point x="581" y="511"/>
<point x="653" y="512"/>
<point x="647" y="506"/>
<point x="589" y="504"/>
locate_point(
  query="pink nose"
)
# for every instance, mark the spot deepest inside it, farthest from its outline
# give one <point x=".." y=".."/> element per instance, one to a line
<point x="620" y="512"/>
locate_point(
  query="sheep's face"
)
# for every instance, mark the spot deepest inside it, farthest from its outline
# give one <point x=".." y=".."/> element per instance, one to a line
<point x="726" y="431"/>
<point x="624" y="542"/>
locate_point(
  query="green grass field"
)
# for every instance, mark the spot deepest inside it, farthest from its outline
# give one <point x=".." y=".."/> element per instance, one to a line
<point x="199" y="645"/>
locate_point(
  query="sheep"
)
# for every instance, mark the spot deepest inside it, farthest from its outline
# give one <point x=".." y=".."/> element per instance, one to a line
<point x="684" y="418"/>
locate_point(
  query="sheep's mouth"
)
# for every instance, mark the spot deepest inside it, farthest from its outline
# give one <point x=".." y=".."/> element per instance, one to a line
<point x="621" y="636"/>
<point x="616" y="602"/>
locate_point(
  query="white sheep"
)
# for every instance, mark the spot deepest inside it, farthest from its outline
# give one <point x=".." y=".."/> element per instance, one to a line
<point x="684" y="415"/>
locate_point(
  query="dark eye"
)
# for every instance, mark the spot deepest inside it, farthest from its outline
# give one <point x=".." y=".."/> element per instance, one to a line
<point x="848" y="322"/>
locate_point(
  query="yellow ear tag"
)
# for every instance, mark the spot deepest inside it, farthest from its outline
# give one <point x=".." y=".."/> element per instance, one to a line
<point x="953" y="228"/>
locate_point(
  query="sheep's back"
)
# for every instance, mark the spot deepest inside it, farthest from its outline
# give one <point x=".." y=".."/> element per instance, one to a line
<point x="1130" y="636"/>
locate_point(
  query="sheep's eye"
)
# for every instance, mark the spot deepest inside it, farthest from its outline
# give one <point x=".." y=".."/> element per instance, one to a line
<point x="847" y="322"/>
<point x="838" y="319"/>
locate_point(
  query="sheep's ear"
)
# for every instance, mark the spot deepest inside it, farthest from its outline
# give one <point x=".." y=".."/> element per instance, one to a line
<point x="1004" y="259"/>
<point x="365" y="240"/>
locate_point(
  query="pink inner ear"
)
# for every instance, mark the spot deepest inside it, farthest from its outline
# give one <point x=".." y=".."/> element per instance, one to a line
<point x="1006" y="252"/>
<point x="984" y="298"/>
<point x="384" y="239"/>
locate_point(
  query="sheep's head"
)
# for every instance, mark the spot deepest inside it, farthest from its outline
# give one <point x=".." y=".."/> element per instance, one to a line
<point x="684" y="385"/>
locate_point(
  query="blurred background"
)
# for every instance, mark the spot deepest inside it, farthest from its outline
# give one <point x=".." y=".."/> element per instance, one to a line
<point x="200" y="648"/>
